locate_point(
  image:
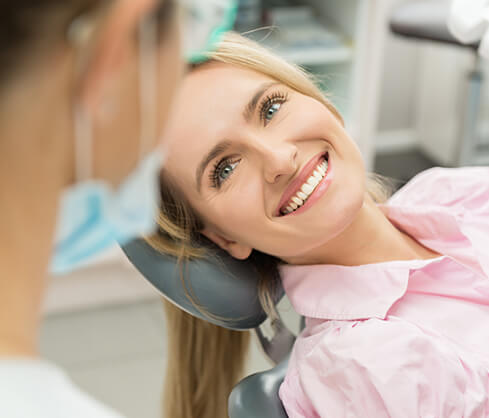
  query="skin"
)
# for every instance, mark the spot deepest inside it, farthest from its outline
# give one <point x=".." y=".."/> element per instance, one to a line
<point x="343" y="227"/>
<point x="36" y="147"/>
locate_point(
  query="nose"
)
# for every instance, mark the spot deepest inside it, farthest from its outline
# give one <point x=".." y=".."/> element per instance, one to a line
<point x="279" y="160"/>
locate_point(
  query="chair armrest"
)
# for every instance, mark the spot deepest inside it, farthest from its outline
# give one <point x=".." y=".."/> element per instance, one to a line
<point x="257" y="395"/>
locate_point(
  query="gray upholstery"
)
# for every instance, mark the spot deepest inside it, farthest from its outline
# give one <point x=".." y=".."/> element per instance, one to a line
<point x="228" y="290"/>
<point x="257" y="395"/>
<point x="280" y="345"/>
<point x="223" y="286"/>
<point x="424" y="20"/>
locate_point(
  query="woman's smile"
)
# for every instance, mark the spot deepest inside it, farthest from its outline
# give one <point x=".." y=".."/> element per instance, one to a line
<point x="307" y="187"/>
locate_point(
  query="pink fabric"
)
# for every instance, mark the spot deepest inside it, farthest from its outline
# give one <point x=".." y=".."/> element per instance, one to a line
<point x="401" y="338"/>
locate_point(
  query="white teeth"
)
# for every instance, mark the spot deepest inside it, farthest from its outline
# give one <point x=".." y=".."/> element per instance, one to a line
<point x="297" y="201"/>
<point x="307" y="188"/>
<point x="313" y="181"/>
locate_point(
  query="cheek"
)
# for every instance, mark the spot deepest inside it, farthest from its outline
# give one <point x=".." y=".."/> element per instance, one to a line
<point x="239" y="211"/>
<point x="348" y="201"/>
<point x="312" y="119"/>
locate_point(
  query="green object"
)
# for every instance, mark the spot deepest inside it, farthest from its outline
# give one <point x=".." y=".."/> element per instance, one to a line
<point x="216" y="34"/>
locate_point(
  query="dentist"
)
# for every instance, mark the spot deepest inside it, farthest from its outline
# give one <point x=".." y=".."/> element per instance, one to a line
<point x="85" y="90"/>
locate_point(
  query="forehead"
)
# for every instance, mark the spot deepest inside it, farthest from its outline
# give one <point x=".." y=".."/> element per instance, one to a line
<point x="214" y="89"/>
<point x="209" y="107"/>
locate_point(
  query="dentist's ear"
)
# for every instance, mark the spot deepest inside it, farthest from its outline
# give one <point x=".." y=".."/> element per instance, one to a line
<point x="235" y="249"/>
<point x="110" y="47"/>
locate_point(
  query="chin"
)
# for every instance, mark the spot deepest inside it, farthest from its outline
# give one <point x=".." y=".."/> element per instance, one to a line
<point x="340" y="212"/>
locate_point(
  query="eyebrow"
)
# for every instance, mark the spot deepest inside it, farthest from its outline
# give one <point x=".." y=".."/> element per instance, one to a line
<point x="224" y="145"/>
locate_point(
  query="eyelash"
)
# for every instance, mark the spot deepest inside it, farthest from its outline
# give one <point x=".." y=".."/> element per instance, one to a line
<point x="216" y="181"/>
<point x="269" y="101"/>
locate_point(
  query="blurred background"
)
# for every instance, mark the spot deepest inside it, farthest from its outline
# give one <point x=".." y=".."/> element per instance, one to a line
<point x="405" y="103"/>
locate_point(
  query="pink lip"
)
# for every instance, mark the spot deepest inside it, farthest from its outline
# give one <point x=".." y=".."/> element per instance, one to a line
<point x="305" y="173"/>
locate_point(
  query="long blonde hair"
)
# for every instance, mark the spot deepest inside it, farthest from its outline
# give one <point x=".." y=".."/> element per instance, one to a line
<point x="204" y="360"/>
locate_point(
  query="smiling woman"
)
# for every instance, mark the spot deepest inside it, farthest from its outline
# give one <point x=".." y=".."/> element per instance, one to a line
<point x="258" y="129"/>
<point x="395" y="293"/>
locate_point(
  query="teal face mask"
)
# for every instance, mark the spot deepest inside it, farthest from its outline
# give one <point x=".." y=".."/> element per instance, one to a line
<point x="94" y="216"/>
<point x="204" y="23"/>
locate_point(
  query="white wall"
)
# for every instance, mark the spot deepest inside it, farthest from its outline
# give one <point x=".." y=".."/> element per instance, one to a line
<point x="422" y="96"/>
<point x="399" y="79"/>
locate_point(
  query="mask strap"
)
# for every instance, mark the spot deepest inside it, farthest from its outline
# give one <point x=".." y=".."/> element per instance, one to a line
<point x="79" y="32"/>
<point x="148" y="82"/>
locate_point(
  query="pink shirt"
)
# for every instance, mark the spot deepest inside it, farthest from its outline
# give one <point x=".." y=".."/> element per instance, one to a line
<point x="401" y="338"/>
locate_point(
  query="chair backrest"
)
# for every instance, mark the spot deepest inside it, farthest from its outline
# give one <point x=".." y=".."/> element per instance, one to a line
<point x="225" y="288"/>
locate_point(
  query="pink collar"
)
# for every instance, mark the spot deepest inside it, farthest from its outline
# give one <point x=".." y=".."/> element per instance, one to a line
<point x="366" y="291"/>
<point x="348" y="293"/>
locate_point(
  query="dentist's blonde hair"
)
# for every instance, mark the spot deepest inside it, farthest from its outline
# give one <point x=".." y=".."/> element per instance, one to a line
<point x="205" y="361"/>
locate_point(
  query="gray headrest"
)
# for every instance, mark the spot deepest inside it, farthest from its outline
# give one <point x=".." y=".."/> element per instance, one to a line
<point x="224" y="287"/>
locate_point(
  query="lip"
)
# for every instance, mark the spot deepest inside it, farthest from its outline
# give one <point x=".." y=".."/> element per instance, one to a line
<point x="295" y="185"/>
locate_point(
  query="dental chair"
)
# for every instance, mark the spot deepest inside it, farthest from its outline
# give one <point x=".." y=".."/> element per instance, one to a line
<point x="228" y="290"/>
<point x="427" y="21"/>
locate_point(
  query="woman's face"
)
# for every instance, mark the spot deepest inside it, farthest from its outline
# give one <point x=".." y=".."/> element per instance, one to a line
<point x="244" y="149"/>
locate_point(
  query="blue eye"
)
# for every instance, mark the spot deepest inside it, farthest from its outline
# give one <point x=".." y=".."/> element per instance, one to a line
<point x="271" y="111"/>
<point x="271" y="105"/>
<point x="222" y="171"/>
<point x="227" y="170"/>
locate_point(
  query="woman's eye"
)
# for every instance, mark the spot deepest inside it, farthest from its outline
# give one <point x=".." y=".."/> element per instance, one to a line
<point x="222" y="171"/>
<point x="271" y="105"/>
<point x="272" y="110"/>
<point x="227" y="170"/>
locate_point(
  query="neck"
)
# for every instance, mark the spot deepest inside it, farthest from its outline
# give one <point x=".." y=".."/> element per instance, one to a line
<point x="30" y="182"/>
<point x="370" y="238"/>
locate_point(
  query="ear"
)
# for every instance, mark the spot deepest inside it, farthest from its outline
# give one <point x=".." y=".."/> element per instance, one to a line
<point x="235" y="249"/>
<point x="110" y="47"/>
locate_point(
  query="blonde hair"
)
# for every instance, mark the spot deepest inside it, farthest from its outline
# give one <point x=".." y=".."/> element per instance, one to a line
<point x="205" y="361"/>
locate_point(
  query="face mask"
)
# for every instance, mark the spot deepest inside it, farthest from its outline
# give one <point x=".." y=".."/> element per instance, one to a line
<point x="204" y="24"/>
<point x="93" y="215"/>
